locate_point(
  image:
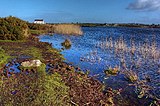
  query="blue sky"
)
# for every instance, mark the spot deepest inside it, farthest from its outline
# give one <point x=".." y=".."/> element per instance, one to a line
<point x="96" y="11"/>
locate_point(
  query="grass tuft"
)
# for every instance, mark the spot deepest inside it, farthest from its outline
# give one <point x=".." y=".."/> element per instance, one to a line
<point x="3" y="57"/>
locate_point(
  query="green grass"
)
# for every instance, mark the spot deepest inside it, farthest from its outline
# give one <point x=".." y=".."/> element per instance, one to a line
<point x="38" y="89"/>
<point x="53" y="91"/>
<point x="55" y="51"/>
<point x="12" y="41"/>
<point x="34" y="52"/>
<point x="37" y="32"/>
<point x="3" y="57"/>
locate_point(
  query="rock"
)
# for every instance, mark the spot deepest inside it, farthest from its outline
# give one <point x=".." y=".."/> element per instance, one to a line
<point x="31" y="63"/>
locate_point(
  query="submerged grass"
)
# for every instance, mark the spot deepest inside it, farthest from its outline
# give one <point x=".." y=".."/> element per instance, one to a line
<point x="137" y="59"/>
<point x="131" y="76"/>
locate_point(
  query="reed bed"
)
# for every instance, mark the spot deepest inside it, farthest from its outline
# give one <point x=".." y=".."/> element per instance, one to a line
<point x="144" y="50"/>
<point x="68" y="29"/>
<point x="138" y="61"/>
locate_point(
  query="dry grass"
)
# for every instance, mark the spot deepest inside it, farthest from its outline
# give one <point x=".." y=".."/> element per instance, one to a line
<point x="146" y="50"/>
<point x="131" y="76"/>
<point x="68" y="29"/>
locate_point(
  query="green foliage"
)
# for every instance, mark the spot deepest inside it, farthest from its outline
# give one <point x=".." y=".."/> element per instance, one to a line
<point x="3" y="57"/>
<point x="42" y="69"/>
<point x="33" y="26"/>
<point x="37" y="29"/>
<point x="12" y="28"/>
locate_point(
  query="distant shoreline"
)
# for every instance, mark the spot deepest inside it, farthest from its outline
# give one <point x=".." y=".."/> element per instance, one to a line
<point x="131" y="25"/>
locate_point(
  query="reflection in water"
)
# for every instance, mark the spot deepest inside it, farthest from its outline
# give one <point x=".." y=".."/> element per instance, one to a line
<point x="100" y="47"/>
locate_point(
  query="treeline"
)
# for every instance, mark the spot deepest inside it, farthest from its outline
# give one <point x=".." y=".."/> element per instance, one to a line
<point x="119" y="25"/>
<point x="135" y="25"/>
<point x="12" y="28"/>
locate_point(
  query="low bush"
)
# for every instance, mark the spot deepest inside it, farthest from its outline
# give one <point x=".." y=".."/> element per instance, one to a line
<point x="12" y="28"/>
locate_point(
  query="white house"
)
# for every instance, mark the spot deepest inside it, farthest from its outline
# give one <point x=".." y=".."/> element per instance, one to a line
<point x="39" y="21"/>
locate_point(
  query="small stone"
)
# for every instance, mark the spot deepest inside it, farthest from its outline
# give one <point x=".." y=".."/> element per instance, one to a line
<point x="32" y="63"/>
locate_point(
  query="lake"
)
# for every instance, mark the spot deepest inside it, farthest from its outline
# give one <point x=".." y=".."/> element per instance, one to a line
<point x="96" y="50"/>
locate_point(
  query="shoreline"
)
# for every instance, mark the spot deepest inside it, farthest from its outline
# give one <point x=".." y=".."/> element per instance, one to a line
<point x="76" y="80"/>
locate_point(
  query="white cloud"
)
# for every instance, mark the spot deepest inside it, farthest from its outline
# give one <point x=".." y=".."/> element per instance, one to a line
<point x="145" y="5"/>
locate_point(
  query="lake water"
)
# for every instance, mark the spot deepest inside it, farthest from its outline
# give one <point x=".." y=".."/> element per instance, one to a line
<point x="89" y="52"/>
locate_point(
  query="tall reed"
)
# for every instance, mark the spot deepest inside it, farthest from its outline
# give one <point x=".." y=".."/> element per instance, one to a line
<point x="68" y="29"/>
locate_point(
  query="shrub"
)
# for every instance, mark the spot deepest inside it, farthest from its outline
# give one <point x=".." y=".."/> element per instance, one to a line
<point x="12" y="28"/>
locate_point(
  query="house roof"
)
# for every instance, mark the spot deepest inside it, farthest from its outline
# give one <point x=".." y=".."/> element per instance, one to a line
<point x="38" y="20"/>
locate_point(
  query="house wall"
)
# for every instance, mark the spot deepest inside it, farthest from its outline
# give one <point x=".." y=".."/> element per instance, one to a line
<point x="39" y="22"/>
